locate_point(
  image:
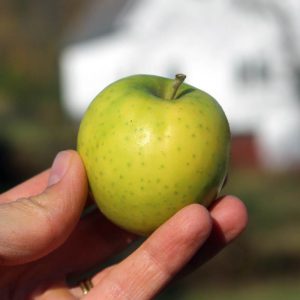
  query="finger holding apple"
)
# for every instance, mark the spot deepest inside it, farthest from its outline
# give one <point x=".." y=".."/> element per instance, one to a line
<point x="152" y="145"/>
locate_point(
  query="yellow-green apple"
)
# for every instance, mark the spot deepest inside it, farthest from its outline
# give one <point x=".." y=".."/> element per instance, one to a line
<point x="152" y="145"/>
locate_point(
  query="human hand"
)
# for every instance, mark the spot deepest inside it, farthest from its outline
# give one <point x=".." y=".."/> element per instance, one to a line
<point x="43" y="240"/>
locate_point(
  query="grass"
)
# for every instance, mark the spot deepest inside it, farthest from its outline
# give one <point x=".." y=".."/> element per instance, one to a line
<point x="266" y="290"/>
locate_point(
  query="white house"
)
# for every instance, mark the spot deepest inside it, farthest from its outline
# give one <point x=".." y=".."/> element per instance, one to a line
<point x="244" y="53"/>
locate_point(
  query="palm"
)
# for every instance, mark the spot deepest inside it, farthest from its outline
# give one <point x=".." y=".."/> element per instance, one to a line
<point x="93" y="241"/>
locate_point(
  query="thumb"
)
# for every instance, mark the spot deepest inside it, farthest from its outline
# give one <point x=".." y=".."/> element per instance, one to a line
<point x="34" y="226"/>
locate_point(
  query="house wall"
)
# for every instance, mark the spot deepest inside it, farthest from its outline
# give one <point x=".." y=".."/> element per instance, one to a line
<point x="241" y="52"/>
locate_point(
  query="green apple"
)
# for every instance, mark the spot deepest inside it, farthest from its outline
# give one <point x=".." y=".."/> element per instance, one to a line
<point x="152" y="145"/>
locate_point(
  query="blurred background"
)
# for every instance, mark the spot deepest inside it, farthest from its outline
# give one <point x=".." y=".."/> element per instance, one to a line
<point x="55" y="56"/>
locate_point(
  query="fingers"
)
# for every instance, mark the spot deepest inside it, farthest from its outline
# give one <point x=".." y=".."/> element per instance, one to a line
<point x="101" y="239"/>
<point x="230" y="218"/>
<point x="152" y="266"/>
<point x="168" y="249"/>
<point x="32" y="227"/>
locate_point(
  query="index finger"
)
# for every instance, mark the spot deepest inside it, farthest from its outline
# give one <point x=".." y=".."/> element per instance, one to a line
<point x="145" y="272"/>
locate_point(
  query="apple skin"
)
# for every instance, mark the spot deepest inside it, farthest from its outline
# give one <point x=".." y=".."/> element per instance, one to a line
<point x="146" y="157"/>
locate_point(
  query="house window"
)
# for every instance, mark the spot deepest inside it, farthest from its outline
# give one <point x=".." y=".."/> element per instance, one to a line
<point x="252" y="72"/>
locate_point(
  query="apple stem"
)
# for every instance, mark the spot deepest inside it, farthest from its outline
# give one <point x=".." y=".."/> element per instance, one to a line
<point x="179" y="79"/>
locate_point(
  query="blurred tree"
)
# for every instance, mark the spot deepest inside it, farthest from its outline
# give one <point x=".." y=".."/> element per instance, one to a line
<point x="32" y="122"/>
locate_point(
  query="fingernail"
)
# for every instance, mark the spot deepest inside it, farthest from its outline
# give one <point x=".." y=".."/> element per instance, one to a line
<point x="59" y="167"/>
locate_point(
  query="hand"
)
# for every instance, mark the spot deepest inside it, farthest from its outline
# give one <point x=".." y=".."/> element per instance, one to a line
<point x="43" y="240"/>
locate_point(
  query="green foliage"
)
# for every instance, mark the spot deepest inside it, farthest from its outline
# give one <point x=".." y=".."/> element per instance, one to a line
<point x="33" y="126"/>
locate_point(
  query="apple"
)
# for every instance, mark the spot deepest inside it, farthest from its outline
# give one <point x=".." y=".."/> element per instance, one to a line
<point x="152" y="145"/>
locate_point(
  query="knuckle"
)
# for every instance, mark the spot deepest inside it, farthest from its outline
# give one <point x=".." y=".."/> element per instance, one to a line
<point x="154" y="267"/>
